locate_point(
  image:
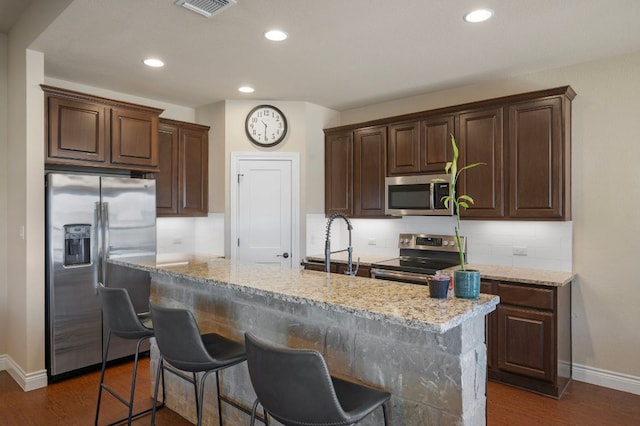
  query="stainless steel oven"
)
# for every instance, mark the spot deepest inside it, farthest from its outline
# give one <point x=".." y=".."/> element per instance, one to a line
<point x="421" y="255"/>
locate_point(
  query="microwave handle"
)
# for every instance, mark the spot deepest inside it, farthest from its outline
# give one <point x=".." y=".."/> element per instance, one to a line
<point x="432" y="194"/>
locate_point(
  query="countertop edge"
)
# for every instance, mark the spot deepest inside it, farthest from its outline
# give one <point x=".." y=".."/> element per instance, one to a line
<point x="475" y="309"/>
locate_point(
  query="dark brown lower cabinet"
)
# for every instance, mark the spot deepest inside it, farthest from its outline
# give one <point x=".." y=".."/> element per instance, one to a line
<point x="339" y="268"/>
<point x="529" y="336"/>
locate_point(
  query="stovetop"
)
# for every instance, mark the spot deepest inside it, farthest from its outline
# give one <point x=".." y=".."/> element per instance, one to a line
<point x="424" y="254"/>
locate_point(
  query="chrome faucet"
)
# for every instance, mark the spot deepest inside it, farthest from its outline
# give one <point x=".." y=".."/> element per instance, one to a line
<point x="349" y="250"/>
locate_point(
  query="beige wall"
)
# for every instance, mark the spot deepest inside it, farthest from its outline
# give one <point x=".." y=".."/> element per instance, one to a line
<point x="606" y="301"/>
<point x="305" y="122"/>
<point x="213" y="116"/>
<point x="3" y="192"/>
<point x="172" y="111"/>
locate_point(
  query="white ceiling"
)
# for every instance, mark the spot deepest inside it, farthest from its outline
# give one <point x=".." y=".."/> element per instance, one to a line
<point x="340" y="54"/>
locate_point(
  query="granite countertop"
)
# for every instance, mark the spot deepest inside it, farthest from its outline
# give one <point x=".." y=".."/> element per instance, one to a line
<point x="402" y="304"/>
<point x="491" y="272"/>
<point x="522" y="275"/>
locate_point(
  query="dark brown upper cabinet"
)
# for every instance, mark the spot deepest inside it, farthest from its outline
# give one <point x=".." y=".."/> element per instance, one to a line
<point x="540" y="159"/>
<point x="421" y="146"/>
<point x="435" y="142"/>
<point x="404" y="148"/>
<point x="369" y="165"/>
<point x="480" y="140"/>
<point x="524" y="141"/>
<point x="338" y="173"/>
<point x="182" y="185"/>
<point x="90" y="131"/>
<point x="355" y="164"/>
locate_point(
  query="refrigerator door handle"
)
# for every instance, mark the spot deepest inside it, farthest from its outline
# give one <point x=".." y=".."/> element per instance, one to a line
<point x="97" y="244"/>
<point x="105" y="243"/>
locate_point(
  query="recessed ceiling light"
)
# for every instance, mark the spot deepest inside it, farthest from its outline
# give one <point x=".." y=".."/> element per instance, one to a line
<point x="246" y="89"/>
<point x="479" y="15"/>
<point x="153" y="62"/>
<point x="275" y="35"/>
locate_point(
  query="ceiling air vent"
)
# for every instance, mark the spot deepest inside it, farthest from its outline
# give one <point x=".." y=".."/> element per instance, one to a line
<point x="206" y="8"/>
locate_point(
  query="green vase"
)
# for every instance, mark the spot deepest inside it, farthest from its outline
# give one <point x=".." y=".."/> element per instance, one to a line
<point x="466" y="284"/>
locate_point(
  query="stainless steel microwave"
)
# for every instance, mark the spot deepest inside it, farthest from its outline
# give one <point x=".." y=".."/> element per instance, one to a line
<point x="417" y="195"/>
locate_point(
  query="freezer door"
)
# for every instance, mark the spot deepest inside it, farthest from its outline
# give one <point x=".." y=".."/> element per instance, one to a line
<point x="74" y="318"/>
<point x="129" y="216"/>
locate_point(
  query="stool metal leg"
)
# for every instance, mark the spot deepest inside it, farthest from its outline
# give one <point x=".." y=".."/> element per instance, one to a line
<point x="155" y="390"/>
<point x="219" y="400"/>
<point x="104" y="365"/>
<point x="201" y="396"/>
<point x="384" y="413"/>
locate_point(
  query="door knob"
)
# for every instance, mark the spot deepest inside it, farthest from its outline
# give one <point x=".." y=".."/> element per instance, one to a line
<point x="285" y="255"/>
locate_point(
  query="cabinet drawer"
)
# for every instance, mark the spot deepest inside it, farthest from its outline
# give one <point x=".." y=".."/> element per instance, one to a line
<point x="532" y="297"/>
<point x="487" y="287"/>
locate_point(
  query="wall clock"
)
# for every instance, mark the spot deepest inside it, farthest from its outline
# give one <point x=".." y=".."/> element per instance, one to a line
<point x="266" y="125"/>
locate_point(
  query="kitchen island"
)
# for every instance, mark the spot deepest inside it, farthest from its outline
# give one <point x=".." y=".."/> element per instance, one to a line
<point x="429" y="353"/>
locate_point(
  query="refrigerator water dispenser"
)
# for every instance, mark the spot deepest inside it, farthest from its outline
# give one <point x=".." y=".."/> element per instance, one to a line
<point x="77" y="244"/>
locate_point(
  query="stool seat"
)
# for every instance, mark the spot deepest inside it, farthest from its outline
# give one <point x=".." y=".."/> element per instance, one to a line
<point x="183" y="347"/>
<point x="294" y="387"/>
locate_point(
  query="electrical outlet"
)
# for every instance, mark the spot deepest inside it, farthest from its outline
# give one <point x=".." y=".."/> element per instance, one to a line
<point x="519" y="251"/>
<point x="372" y="242"/>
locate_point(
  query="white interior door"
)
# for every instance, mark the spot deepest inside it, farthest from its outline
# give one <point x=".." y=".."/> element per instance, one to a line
<point x="264" y="211"/>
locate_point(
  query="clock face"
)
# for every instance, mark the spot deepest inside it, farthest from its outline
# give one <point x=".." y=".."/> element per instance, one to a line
<point x="266" y="125"/>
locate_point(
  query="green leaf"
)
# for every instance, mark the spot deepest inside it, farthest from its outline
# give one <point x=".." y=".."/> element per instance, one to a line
<point x="465" y="198"/>
<point x="463" y="204"/>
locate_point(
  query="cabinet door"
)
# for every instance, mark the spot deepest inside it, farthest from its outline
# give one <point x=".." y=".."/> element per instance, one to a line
<point x="435" y="143"/>
<point x="76" y="131"/>
<point x="338" y="173"/>
<point x="491" y="328"/>
<point x="193" y="174"/>
<point x="404" y="148"/>
<point x="134" y="138"/>
<point x="536" y="160"/>
<point x="167" y="177"/>
<point x="480" y="140"/>
<point x="369" y="165"/>
<point x="526" y="342"/>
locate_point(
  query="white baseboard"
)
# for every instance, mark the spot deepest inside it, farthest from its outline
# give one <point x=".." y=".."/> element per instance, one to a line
<point x="27" y="381"/>
<point x="608" y="379"/>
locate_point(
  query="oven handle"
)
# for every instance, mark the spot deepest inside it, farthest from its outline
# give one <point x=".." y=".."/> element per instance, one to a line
<point x="390" y="275"/>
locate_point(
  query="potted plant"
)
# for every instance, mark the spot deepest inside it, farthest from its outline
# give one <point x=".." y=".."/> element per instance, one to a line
<point x="466" y="283"/>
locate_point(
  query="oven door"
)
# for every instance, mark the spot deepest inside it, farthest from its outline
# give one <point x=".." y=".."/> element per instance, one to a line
<point x="399" y="276"/>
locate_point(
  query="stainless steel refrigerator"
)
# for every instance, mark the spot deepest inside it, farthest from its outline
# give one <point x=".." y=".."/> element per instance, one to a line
<point x="89" y="220"/>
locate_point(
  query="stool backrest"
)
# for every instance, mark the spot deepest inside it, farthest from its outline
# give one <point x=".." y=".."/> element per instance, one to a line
<point x="120" y="314"/>
<point x="178" y="338"/>
<point x="293" y="385"/>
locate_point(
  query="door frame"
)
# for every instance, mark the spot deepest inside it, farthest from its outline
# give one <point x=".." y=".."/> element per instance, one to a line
<point x="294" y="159"/>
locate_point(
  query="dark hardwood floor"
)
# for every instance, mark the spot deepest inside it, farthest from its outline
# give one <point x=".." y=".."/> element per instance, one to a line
<point x="72" y="402"/>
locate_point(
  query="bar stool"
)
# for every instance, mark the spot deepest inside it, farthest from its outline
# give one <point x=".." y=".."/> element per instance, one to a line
<point x="295" y="388"/>
<point x="183" y="347"/>
<point x="122" y="321"/>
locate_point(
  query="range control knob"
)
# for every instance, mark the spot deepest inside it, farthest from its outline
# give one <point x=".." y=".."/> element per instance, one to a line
<point x="445" y="243"/>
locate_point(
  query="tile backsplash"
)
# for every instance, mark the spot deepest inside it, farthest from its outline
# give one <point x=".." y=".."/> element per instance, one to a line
<point x="544" y="245"/>
<point x="541" y="245"/>
<point x="178" y="236"/>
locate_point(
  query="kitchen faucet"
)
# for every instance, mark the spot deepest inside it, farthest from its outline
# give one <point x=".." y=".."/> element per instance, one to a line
<point x="349" y="250"/>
